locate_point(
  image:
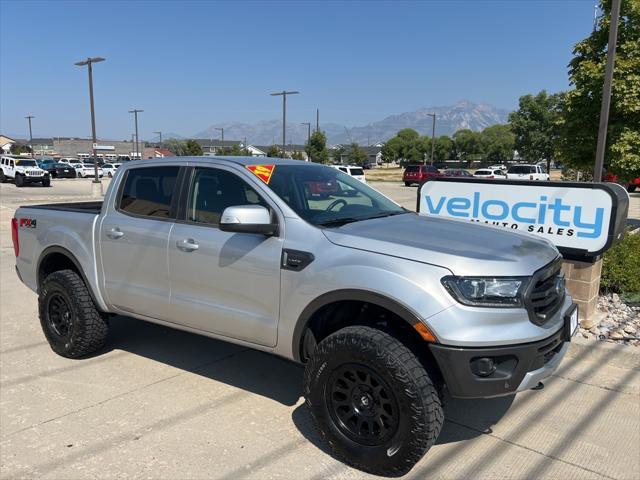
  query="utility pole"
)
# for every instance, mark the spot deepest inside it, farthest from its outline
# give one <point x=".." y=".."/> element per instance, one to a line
<point x="160" y="134"/>
<point x="133" y="145"/>
<point x="308" y="124"/>
<point x="89" y="63"/>
<point x="135" y="116"/>
<point x="221" y="130"/>
<point x="284" y="94"/>
<point x="29" y="117"/>
<point x="606" y="90"/>
<point x="433" y="135"/>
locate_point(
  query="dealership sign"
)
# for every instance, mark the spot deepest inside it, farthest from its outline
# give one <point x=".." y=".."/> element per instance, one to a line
<point x="581" y="219"/>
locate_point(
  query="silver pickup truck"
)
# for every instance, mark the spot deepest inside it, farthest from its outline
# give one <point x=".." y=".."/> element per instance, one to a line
<point x="388" y="310"/>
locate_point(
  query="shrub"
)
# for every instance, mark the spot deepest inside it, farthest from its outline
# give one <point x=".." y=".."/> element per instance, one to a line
<point x="621" y="266"/>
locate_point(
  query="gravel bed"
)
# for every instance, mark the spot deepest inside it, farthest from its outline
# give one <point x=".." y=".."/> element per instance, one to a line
<point x="620" y="325"/>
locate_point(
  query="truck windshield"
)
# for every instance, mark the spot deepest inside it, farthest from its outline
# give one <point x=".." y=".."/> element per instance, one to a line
<point x="326" y="197"/>
<point x="26" y="163"/>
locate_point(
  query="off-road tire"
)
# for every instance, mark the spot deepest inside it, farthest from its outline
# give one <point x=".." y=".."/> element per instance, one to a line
<point x="19" y="180"/>
<point x="46" y="182"/>
<point x="89" y="328"/>
<point x="420" y="414"/>
<point x="2" y="177"/>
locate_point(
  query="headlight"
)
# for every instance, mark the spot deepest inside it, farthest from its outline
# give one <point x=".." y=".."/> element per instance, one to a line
<point x="487" y="291"/>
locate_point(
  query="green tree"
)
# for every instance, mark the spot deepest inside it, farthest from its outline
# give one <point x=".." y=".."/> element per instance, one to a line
<point x="581" y="113"/>
<point x="357" y="155"/>
<point x="468" y="144"/>
<point x="192" y="148"/>
<point x="498" y="142"/>
<point x="316" y="147"/>
<point x="391" y="150"/>
<point x="274" y="151"/>
<point x="536" y="126"/>
<point x="443" y="149"/>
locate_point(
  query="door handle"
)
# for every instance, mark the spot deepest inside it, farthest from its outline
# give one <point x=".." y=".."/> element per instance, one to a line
<point x="115" y="233"/>
<point x="187" y="245"/>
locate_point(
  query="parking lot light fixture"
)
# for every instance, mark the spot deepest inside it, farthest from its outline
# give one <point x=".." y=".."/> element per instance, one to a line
<point x="284" y="94"/>
<point x="135" y="112"/>
<point x="160" y="135"/>
<point x="89" y="62"/>
<point x="29" y="117"/>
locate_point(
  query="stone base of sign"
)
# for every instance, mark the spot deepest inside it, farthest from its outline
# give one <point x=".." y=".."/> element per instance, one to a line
<point x="583" y="283"/>
<point x="96" y="189"/>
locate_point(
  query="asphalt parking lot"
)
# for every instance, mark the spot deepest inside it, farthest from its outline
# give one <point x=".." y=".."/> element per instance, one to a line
<point x="159" y="403"/>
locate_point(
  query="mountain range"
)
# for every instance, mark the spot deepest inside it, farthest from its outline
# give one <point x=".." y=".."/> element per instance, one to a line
<point x="449" y="119"/>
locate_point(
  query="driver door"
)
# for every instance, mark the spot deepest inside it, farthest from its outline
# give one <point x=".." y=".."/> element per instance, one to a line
<point x="222" y="282"/>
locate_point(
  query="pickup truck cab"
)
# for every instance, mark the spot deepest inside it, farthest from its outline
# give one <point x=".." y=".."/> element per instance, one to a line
<point x="387" y="309"/>
<point x="22" y="171"/>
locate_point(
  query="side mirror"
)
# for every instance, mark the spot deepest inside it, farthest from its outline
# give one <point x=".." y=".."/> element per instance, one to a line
<point x="248" y="219"/>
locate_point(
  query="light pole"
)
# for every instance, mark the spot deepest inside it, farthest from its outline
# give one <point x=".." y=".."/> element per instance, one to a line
<point x="135" y="112"/>
<point x="433" y="135"/>
<point x="284" y="94"/>
<point x="606" y="91"/>
<point x="29" y="117"/>
<point x="89" y="62"/>
<point x="221" y="130"/>
<point x="308" y="124"/>
<point x="159" y="134"/>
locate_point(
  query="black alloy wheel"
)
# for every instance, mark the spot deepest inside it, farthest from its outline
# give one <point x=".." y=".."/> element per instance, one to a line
<point x="362" y="405"/>
<point x="59" y="315"/>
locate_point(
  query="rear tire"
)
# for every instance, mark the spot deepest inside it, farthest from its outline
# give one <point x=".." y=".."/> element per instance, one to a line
<point x="362" y="376"/>
<point x="2" y="177"/>
<point x="407" y="184"/>
<point x="70" y="320"/>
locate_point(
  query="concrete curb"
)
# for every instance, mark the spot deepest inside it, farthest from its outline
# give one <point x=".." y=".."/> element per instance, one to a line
<point x="622" y="356"/>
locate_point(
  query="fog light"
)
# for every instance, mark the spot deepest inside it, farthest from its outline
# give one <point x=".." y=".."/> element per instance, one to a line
<point x="483" y="367"/>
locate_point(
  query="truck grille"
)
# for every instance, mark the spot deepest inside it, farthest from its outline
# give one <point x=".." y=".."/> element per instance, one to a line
<point x="33" y="173"/>
<point x="546" y="292"/>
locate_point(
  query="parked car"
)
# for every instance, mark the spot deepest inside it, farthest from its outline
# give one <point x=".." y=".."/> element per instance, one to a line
<point x="490" y="173"/>
<point x="83" y="170"/>
<point x="456" y="172"/>
<point x="527" y="172"/>
<point x="58" y="170"/>
<point x="353" y="170"/>
<point x="385" y="308"/>
<point x="109" y="169"/>
<point x="22" y="171"/>
<point x="633" y="185"/>
<point x="418" y="174"/>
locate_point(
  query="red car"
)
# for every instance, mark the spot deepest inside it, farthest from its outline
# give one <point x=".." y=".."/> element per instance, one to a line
<point x="633" y="184"/>
<point x="419" y="173"/>
<point x="322" y="189"/>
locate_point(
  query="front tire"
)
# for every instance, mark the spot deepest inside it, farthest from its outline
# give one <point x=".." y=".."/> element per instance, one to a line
<point x="372" y="400"/>
<point x="70" y="320"/>
<point x="46" y="182"/>
<point x="19" y="180"/>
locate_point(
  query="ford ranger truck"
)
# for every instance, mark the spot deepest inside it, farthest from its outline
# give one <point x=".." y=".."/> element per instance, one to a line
<point x="387" y="310"/>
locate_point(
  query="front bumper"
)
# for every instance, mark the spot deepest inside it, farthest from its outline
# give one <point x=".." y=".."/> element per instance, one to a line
<point x="517" y="367"/>
<point x="34" y="179"/>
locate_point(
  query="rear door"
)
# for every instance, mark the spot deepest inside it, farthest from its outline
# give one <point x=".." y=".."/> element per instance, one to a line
<point x="221" y="282"/>
<point x="134" y="235"/>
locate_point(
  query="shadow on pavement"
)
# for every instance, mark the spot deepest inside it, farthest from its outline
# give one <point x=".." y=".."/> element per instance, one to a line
<point x="250" y="370"/>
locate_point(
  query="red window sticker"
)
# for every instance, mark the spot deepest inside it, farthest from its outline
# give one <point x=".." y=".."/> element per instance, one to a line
<point x="263" y="172"/>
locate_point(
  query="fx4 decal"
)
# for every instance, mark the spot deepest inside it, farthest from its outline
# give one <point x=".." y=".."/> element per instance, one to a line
<point x="27" y="222"/>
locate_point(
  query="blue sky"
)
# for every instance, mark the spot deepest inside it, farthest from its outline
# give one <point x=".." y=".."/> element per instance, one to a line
<point x="190" y="64"/>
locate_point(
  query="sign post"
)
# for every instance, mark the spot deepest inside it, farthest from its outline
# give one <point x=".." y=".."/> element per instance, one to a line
<point x="582" y="220"/>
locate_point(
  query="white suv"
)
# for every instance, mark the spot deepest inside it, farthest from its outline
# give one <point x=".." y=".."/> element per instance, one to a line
<point x="353" y="170"/>
<point x="527" y="172"/>
<point x="22" y="171"/>
<point x="87" y="170"/>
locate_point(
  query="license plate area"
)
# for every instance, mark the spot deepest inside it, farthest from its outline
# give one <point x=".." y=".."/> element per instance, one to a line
<point x="571" y="322"/>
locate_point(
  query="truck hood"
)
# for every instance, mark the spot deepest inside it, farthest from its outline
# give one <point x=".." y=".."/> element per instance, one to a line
<point x="464" y="248"/>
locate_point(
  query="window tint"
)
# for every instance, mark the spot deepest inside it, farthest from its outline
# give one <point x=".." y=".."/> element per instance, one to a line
<point x="148" y="191"/>
<point x="412" y="168"/>
<point x="429" y="169"/>
<point x="357" y="171"/>
<point x="213" y="190"/>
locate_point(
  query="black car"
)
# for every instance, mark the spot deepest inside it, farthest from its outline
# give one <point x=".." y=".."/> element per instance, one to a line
<point x="58" y="170"/>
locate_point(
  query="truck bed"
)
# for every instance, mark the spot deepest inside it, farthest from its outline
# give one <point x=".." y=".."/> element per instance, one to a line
<point x="93" y="208"/>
